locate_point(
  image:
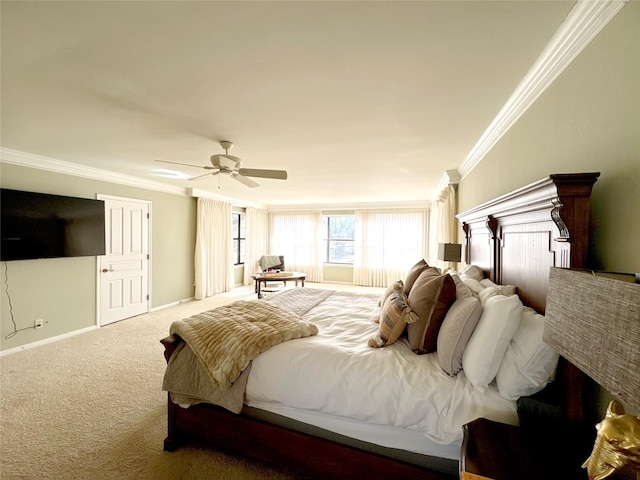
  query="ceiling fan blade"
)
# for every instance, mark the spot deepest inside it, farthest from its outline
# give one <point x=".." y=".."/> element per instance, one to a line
<point x="204" y="175"/>
<point x="256" y="172"/>
<point x="244" y="180"/>
<point x="206" y="167"/>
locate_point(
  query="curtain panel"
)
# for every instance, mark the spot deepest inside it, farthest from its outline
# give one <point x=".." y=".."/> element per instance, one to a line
<point x="298" y="236"/>
<point x="257" y="241"/>
<point x="387" y="244"/>
<point x="214" y="249"/>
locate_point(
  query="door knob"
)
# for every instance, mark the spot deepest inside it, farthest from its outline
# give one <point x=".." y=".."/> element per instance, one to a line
<point x="105" y="270"/>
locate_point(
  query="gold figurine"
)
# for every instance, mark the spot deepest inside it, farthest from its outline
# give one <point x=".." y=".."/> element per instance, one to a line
<point x="617" y="444"/>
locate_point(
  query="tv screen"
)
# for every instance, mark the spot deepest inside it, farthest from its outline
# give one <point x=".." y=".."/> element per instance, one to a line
<point x="39" y="225"/>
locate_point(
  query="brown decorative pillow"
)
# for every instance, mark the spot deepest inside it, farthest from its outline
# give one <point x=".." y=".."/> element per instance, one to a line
<point x="394" y="317"/>
<point x="413" y="274"/>
<point x="430" y="298"/>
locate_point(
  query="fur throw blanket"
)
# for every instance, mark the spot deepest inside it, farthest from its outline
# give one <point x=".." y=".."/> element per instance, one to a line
<point x="227" y="338"/>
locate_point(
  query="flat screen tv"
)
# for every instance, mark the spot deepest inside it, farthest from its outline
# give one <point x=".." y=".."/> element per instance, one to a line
<point x="39" y="225"/>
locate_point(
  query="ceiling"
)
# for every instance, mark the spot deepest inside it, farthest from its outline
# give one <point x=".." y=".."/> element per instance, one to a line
<point x="361" y="102"/>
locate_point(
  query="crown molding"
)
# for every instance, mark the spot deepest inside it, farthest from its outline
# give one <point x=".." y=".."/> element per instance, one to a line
<point x="30" y="160"/>
<point x="23" y="159"/>
<point x="449" y="177"/>
<point x="585" y="20"/>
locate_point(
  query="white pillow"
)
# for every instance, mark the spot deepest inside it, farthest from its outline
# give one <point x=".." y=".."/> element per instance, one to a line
<point x="529" y="364"/>
<point x="473" y="284"/>
<point x="507" y="289"/>
<point x="486" y="348"/>
<point x="472" y="271"/>
<point x="502" y="289"/>
<point x="486" y="283"/>
<point x="486" y="293"/>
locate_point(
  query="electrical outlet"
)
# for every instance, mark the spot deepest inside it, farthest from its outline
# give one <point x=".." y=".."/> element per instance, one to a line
<point x="38" y="323"/>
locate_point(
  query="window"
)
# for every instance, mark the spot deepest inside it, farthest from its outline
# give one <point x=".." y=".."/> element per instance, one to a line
<point x="337" y="239"/>
<point x="239" y="231"/>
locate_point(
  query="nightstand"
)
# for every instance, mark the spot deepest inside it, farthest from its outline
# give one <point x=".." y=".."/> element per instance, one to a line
<point x="506" y="452"/>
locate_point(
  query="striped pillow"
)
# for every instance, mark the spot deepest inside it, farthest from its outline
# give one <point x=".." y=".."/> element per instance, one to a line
<point x="395" y="314"/>
<point x="397" y="285"/>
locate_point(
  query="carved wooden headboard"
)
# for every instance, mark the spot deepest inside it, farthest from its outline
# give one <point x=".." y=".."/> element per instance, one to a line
<point x="515" y="238"/>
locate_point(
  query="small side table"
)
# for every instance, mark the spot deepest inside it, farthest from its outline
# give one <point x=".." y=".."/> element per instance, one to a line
<point x="506" y="452"/>
<point x="496" y="451"/>
<point x="284" y="277"/>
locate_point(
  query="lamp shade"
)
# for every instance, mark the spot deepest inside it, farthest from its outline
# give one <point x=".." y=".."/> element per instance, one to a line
<point x="449" y="252"/>
<point x="594" y="322"/>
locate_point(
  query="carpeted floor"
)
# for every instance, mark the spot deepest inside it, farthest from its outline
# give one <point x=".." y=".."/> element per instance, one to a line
<point x="91" y="407"/>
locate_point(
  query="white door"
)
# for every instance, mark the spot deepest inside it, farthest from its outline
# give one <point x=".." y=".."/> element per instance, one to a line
<point x="124" y="270"/>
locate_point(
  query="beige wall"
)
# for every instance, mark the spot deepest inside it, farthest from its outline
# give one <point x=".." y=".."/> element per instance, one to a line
<point x="62" y="291"/>
<point x="588" y="120"/>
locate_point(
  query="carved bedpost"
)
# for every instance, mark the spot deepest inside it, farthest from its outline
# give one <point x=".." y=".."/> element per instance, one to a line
<point x="467" y="242"/>
<point x="570" y="213"/>
<point x="563" y="241"/>
<point x="492" y="226"/>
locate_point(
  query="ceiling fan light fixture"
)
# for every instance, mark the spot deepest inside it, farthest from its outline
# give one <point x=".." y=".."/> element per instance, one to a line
<point x="225" y="162"/>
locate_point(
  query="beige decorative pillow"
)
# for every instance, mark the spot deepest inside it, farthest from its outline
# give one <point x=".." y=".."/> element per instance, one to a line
<point x="456" y="330"/>
<point x="397" y="285"/>
<point x="395" y="315"/>
<point x="413" y="274"/>
<point x="430" y="298"/>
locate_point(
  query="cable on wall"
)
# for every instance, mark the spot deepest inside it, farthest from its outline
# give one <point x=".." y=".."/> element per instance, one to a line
<point x="6" y="288"/>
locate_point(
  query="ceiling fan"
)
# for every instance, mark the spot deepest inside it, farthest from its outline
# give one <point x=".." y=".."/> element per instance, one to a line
<point x="231" y="165"/>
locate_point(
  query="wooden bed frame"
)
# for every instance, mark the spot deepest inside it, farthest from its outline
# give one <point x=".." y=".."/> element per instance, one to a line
<point x="514" y="239"/>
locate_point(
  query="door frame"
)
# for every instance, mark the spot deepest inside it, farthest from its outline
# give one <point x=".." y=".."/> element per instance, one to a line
<point x="99" y="277"/>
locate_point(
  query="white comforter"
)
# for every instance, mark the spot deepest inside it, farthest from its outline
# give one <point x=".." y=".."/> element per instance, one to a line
<point x="336" y="373"/>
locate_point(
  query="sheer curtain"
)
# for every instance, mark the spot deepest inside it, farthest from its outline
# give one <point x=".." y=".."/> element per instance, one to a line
<point x="446" y="220"/>
<point x="257" y="241"/>
<point x="214" y="249"/>
<point x="387" y="244"/>
<point x="298" y="236"/>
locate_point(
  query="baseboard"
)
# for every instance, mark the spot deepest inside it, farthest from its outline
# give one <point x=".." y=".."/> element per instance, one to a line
<point x="47" y="340"/>
<point x="172" y="304"/>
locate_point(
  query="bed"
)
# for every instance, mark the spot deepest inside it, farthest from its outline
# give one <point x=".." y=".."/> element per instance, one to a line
<point x="512" y="240"/>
